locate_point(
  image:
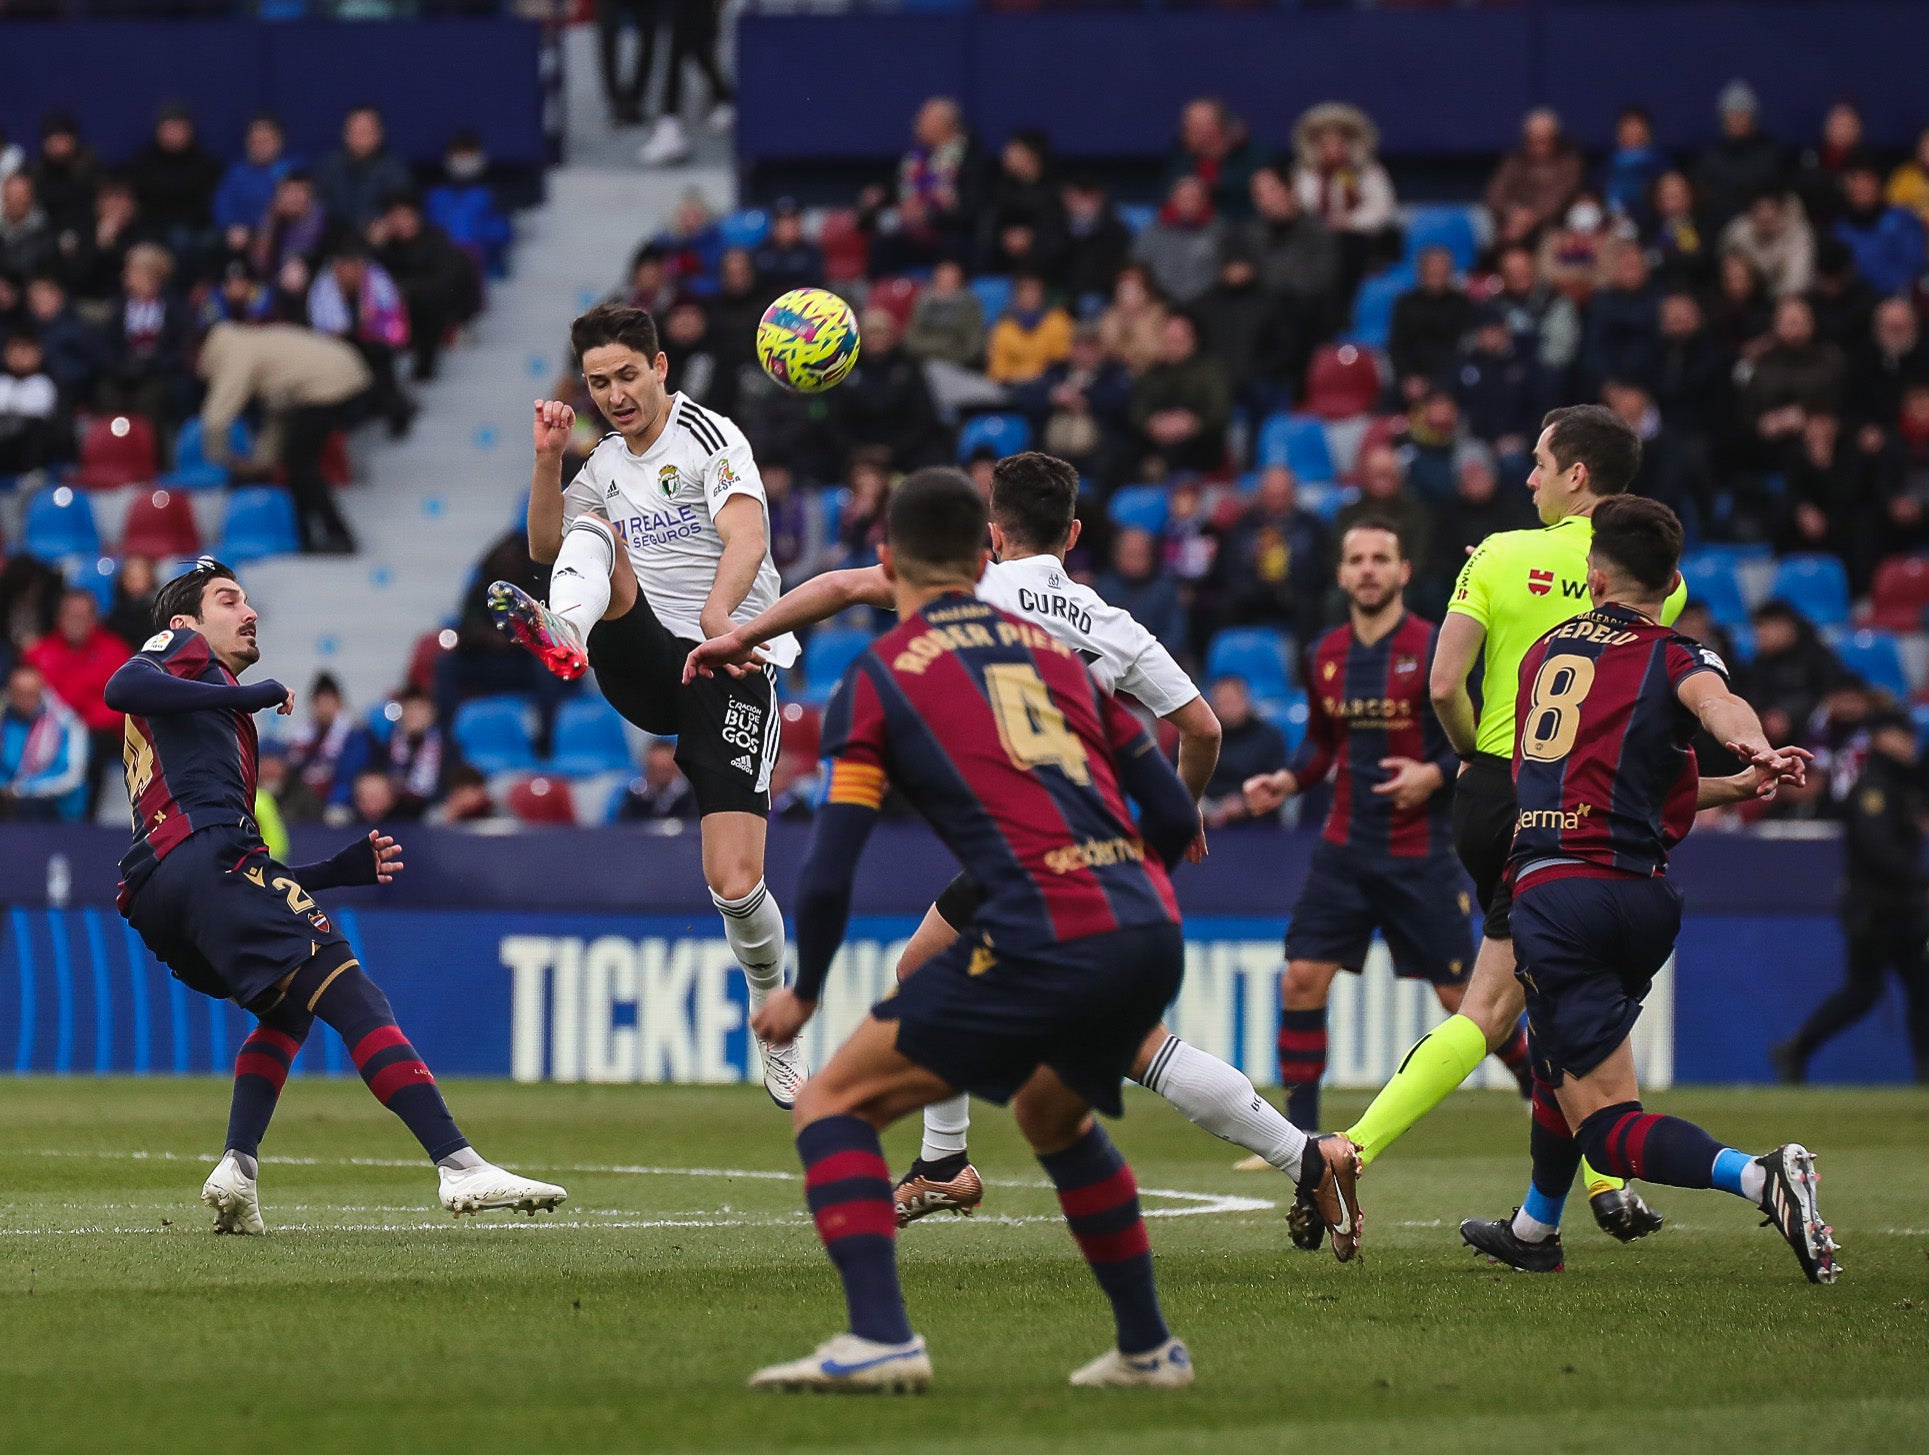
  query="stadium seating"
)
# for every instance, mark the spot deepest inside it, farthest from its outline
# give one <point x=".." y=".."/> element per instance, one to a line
<point x="1255" y="653"/>
<point x="1289" y="714"/>
<point x="827" y="654"/>
<point x="1815" y="585"/>
<point x="745" y="228"/>
<point x="160" y="523"/>
<point x="589" y="738"/>
<point x="495" y="734"/>
<point x="1298" y="442"/>
<point x="1342" y="381"/>
<point x="1137" y="216"/>
<point x="1452" y="228"/>
<point x="541" y="799"/>
<point x="847" y="251"/>
<point x="1373" y="307"/>
<point x="59" y="522"/>
<point x="261" y="522"/>
<point x="993" y="295"/>
<point x="1327" y="501"/>
<point x="801" y="727"/>
<point x="1002" y="434"/>
<point x="1712" y="581"/>
<point x="191" y="468"/>
<point x="116" y="450"/>
<point x="1876" y="658"/>
<point x="897" y="297"/>
<point x="1899" y="593"/>
<point x="1139" y="507"/>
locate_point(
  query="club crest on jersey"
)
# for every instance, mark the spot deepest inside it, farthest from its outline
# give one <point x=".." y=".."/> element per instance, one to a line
<point x="1329" y="670"/>
<point x="667" y="481"/>
<point x="1055" y="581"/>
<point x="320" y="921"/>
<point x="1540" y="582"/>
<point x="1405" y="663"/>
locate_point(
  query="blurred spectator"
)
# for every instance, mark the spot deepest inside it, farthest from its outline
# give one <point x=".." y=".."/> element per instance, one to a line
<point x="1797" y="375"/>
<point x="1881" y="365"/>
<point x="1501" y="388"/>
<point x="372" y="801"/>
<point x="1741" y="164"/>
<point x="1079" y="408"/>
<point x="174" y="178"/>
<point x="464" y="206"/>
<point x="1433" y="437"/>
<point x="415" y="755"/>
<point x="482" y="660"/>
<point x="30" y="412"/>
<point x="1791" y="670"/>
<point x="1182" y="246"/>
<point x="75" y="353"/>
<point x="65" y="174"/>
<point x="1841" y="298"/>
<point x="1032" y="334"/>
<point x="328" y="749"/>
<point x="649" y="286"/>
<point x="468" y="799"/>
<point x="692" y="245"/>
<point x="30" y="592"/>
<point x="131" y="617"/>
<point x="860" y="530"/>
<point x="1775" y="239"/>
<point x="1681" y="246"/>
<point x="1622" y="338"/>
<point x="1188" y="542"/>
<point x="149" y="368"/>
<point x="1827" y="502"/>
<point x="75" y="660"/>
<point x="1909" y="183"/>
<point x="1384" y="496"/>
<point x="1544" y="323"/>
<point x="948" y="322"/>
<point x="1629" y="175"/>
<point x="693" y="37"/>
<point x="237" y="297"/>
<point x="886" y="400"/>
<point x="1906" y="459"/>
<point x="1536" y="180"/>
<point x="737" y="308"/>
<point x="1096" y="242"/>
<point x="787" y="258"/>
<point x="13" y="156"/>
<point x="354" y="298"/>
<point x="1887" y="240"/>
<point x="1215" y="147"/>
<point x="799" y="544"/>
<point x="307" y="385"/>
<point x="1295" y="251"/>
<point x="1569" y="256"/>
<point x="623" y="93"/>
<point x="1249" y="745"/>
<point x="662" y="792"/>
<point x="1183" y="403"/>
<point x="1480" y="506"/>
<point x="1820" y="169"/>
<point x="26" y="236"/>
<point x="293" y="228"/>
<point x="437" y="280"/>
<point x="696" y="367"/>
<point x="1257" y="339"/>
<point x="1740" y="312"/>
<point x="1274" y="567"/>
<point x="1022" y="195"/>
<point x="1674" y="466"/>
<point x="1428" y="323"/>
<point x="1340" y="181"/>
<point x="935" y="206"/>
<point x="43" y="752"/>
<point x="248" y="186"/>
<point x="1133" y="324"/>
<point x="353" y="180"/>
<point x="1135" y="584"/>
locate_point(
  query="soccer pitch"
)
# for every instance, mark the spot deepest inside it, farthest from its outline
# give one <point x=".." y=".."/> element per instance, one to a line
<point x="368" y="1320"/>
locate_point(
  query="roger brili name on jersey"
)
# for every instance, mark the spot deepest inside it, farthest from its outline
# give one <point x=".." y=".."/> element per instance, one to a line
<point x="1050" y="603"/>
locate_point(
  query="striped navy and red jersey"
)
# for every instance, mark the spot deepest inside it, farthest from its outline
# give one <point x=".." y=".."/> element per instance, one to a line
<point x="996" y="733"/>
<point x="1604" y="772"/>
<point x="1369" y="702"/>
<point x="185" y="770"/>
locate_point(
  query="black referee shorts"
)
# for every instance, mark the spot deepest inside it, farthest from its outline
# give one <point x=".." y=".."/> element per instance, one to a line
<point x="726" y="727"/>
<point x="1484" y="814"/>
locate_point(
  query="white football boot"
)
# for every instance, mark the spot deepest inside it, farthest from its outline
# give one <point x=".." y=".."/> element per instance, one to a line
<point x="1167" y="1367"/>
<point x="666" y="146"/>
<point x="482" y="1188"/>
<point x="785" y="1071"/>
<point x="850" y="1365"/>
<point x="235" y="1199"/>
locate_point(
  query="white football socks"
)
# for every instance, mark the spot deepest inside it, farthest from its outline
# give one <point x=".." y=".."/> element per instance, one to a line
<point x="1530" y="1229"/>
<point x="945" y="1125"/>
<point x="755" y="928"/>
<point x="1221" y="1099"/>
<point x="579" y="582"/>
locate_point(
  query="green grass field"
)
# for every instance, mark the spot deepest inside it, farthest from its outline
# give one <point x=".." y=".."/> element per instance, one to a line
<point x="369" y="1321"/>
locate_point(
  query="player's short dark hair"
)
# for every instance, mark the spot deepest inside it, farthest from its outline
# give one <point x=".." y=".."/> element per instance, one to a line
<point x="614" y="323"/>
<point x="935" y="524"/>
<point x="1599" y="438"/>
<point x="1640" y="538"/>
<point x="1377" y="522"/>
<point x="1034" y="497"/>
<point x="182" y="595"/>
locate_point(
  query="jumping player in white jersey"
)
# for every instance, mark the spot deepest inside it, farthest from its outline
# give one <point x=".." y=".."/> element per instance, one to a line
<point x="1034" y="498"/>
<point x="661" y="541"/>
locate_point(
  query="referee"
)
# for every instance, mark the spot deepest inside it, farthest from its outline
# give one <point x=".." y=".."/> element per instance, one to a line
<point x="1515" y="588"/>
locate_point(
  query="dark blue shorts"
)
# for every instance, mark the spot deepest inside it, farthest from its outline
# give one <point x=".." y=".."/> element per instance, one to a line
<point x="226" y="918"/>
<point x="1587" y="950"/>
<point x="985" y="1021"/>
<point x="1421" y="906"/>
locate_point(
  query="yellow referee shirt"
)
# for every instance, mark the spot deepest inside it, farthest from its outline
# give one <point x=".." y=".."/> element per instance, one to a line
<point x="1520" y="585"/>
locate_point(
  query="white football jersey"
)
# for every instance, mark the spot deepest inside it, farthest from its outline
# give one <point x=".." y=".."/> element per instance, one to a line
<point x="663" y="504"/>
<point x="1122" y="655"/>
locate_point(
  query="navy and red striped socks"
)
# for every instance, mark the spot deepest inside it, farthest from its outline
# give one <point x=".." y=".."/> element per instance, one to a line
<point x="1302" y="1064"/>
<point x="1556" y="1158"/>
<point x="260" y="1071"/>
<point x="847" y="1184"/>
<point x="1101" y="1203"/>
<point x="1625" y="1141"/>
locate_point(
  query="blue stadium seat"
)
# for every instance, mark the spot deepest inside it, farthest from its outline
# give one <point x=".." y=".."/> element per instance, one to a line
<point x="1002" y="434"/>
<point x="1712" y="580"/>
<point x="1139" y="507"/>
<point x="835" y="503"/>
<point x="1451" y="228"/>
<point x="1137" y="215"/>
<point x="1876" y="658"/>
<point x="1373" y="308"/>
<point x="378" y="722"/>
<point x="827" y="655"/>
<point x="191" y="468"/>
<point x="993" y="295"/>
<point x="494" y="734"/>
<point x="1816" y="586"/>
<point x="95" y="577"/>
<point x="261" y="522"/>
<point x="59" y="522"/>
<point x="1327" y="501"/>
<point x="1919" y="714"/>
<point x="1289" y="714"/>
<point x="589" y="738"/>
<point x="746" y="228"/>
<point x="1297" y="441"/>
<point x="1255" y="653"/>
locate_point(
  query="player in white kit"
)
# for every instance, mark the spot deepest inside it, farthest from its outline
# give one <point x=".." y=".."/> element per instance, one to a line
<point x="1034" y="498"/>
<point x="661" y="541"/>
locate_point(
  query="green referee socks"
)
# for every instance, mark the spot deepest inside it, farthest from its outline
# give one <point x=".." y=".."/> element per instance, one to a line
<point x="1438" y="1062"/>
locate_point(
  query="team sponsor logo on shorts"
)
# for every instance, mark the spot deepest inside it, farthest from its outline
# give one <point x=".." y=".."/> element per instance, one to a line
<point x="743" y="725"/>
<point x="668" y="481"/>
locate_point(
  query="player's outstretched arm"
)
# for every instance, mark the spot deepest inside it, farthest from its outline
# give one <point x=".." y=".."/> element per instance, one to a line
<point x="376" y="859"/>
<point x="1733" y="722"/>
<point x="817" y="599"/>
<point x="1458" y="646"/>
<point x="551" y="430"/>
<point x="142" y="687"/>
<point x="740" y="525"/>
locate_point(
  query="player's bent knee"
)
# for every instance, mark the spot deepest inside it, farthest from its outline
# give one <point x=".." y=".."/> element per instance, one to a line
<point x="1306" y="983"/>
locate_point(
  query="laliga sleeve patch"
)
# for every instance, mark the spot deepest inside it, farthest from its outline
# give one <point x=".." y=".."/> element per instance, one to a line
<point x="158" y="642"/>
<point x="1711" y="658"/>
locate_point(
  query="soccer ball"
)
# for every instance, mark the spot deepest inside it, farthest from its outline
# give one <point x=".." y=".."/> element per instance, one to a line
<point x="807" y="340"/>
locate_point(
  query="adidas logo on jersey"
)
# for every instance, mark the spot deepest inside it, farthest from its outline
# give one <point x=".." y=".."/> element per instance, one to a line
<point x="743" y="764"/>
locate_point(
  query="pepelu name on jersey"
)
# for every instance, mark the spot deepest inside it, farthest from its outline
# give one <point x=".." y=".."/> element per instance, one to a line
<point x="1043" y="603"/>
<point x="1585" y="629"/>
<point x="659" y="530"/>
